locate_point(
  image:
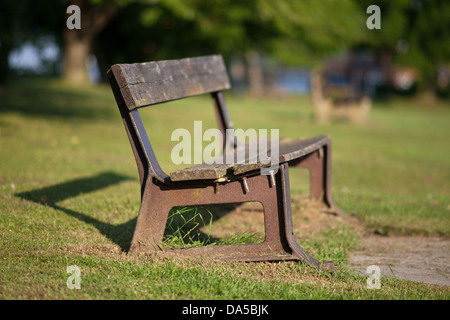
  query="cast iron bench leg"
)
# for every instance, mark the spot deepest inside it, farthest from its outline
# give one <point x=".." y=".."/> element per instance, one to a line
<point x="319" y="165"/>
<point x="279" y="243"/>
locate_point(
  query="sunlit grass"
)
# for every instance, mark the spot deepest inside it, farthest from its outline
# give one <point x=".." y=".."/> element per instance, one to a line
<point x="69" y="194"/>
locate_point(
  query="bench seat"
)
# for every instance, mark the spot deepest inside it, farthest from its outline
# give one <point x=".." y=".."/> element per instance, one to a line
<point x="289" y="149"/>
<point x="140" y="85"/>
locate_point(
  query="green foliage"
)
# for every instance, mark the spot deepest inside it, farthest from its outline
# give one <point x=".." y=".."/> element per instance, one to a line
<point x="394" y="22"/>
<point x="183" y="226"/>
<point x="69" y="195"/>
<point x="422" y="26"/>
<point x="309" y="30"/>
<point x="429" y="36"/>
<point x="293" y="31"/>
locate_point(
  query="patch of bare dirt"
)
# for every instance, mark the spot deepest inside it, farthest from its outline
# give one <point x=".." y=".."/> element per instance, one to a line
<point x="310" y="218"/>
<point x="417" y="258"/>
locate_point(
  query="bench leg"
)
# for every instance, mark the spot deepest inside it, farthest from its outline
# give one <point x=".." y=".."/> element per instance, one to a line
<point x="279" y="243"/>
<point x="319" y="165"/>
<point x="294" y="246"/>
<point x="150" y="223"/>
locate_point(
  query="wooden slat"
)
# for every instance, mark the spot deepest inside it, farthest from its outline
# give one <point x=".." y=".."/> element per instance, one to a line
<point x="201" y="172"/>
<point x="143" y="84"/>
<point x="288" y="150"/>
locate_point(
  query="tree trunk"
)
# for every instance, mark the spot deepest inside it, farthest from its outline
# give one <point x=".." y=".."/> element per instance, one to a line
<point x="255" y="75"/>
<point x="77" y="48"/>
<point x="102" y="61"/>
<point x="5" y="49"/>
<point x="78" y="43"/>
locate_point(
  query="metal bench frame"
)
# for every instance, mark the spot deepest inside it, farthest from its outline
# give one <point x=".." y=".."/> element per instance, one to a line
<point x="159" y="193"/>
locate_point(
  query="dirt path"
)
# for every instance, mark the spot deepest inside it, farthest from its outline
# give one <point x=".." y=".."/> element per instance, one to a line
<point x="417" y="258"/>
<point x="423" y="259"/>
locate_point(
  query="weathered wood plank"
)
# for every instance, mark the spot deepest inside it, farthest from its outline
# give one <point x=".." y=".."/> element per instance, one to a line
<point x="143" y="84"/>
<point x="201" y="172"/>
<point x="288" y="150"/>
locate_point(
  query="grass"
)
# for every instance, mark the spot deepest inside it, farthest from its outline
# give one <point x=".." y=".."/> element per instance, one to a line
<point x="69" y="195"/>
<point x="183" y="224"/>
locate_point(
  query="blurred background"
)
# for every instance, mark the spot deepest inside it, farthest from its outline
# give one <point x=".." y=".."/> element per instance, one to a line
<point x="270" y="47"/>
<point x="68" y="180"/>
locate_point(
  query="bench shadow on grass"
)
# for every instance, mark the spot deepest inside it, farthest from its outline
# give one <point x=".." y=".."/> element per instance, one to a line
<point x="120" y="234"/>
<point x="46" y="99"/>
<point x="50" y="196"/>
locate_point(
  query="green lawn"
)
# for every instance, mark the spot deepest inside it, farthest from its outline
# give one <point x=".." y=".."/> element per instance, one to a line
<point x="69" y="195"/>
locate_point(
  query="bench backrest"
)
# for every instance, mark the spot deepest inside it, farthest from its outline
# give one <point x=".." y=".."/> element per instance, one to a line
<point x="144" y="84"/>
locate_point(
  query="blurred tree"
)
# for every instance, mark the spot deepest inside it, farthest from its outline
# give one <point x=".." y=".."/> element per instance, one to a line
<point x="78" y="43"/>
<point x="294" y="32"/>
<point x="429" y="39"/>
<point x="9" y="25"/>
<point x="310" y="30"/>
<point x="415" y="32"/>
<point x="21" y="21"/>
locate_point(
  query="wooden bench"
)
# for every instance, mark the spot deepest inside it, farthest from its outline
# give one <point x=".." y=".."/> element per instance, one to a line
<point x="338" y="100"/>
<point x="143" y="84"/>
